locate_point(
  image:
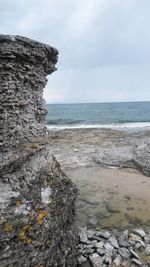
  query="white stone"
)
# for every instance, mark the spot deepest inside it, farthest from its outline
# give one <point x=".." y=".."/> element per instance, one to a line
<point x="99" y="244"/>
<point x="139" y="232"/>
<point x="96" y="260"/>
<point x="45" y="195"/>
<point x="147" y="250"/>
<point x="138" y="262"/>
<point x="83" y="236"/>
<point x="81" y="259"/>
<point x="134" y="254"/>
<point x="117" y="261"/>
<point x="114" y="242"/>
<point x="109" y="247"/>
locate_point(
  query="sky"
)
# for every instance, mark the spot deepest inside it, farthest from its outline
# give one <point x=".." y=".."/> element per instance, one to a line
<point x="104" y="46"/>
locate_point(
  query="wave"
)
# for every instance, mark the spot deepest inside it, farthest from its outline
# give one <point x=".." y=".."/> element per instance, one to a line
<point x="132" y="121"/>
<point x="63" y="122"/>
<point x="133" y="125"/>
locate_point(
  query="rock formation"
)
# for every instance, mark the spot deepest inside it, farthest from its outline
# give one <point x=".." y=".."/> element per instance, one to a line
<point x="135" y="156"/>
<point x="37" y="200"/>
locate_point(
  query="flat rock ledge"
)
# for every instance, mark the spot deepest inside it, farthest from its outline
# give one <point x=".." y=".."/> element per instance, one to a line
<point x="135" y="156"/>
<point x="113" y="248"/>
<point x="37" y="199"/>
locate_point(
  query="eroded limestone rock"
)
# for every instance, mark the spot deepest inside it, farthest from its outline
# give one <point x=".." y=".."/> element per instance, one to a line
<point x="37" y="201"/>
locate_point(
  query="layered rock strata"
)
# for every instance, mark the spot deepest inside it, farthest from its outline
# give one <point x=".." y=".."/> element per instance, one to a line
<point x="37" y="200"/>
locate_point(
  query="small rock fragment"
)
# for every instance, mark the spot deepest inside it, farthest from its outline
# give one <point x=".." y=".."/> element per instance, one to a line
<point x="88" y="251"/>
<point x="101" y="251"/>
<point x="81" y="259"/>
<point x="114" y="242"/>
<point x="83" y="236"/>
<point x="117" y="261"/>
<point x="137" y="262"/>
<point x="147" y="250"/>
<point x="123" y="243"/>
<point x="96" y="260"/>
<point x="108" y="259"/>
<point x="134" y="237"/>
<point x="104" y="234"/>
<point x="90" y="234"/>
<point x="139" y="232"/>
<point x="134" y="253"/>
<point x="99" y="244"/>
<point x="109" y="248"/>
<point x="124" y="253"/>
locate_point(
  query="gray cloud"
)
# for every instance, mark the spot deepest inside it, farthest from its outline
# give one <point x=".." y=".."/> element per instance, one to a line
<point x="104" y="45"/>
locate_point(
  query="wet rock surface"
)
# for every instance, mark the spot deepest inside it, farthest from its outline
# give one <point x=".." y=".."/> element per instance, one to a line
<point x="108" y="195"/>
<point x="37" y="199"/>
<point x="119" y="248"/>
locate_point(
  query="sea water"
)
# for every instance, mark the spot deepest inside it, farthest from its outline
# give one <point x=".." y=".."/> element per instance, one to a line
<point x="99" y="115"/>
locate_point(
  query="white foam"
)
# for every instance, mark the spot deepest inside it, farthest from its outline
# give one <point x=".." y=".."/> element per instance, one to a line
<point x="134" y="125"/>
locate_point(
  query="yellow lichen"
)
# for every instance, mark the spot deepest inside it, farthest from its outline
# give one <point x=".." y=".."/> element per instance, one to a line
<point x="18" y="202"/>
<point x="29" y="240"/>
<point x="41" y="215"/>
<point x="7" y="227"/>
<point x="23" y="234"/>
<point x="34" y="146"/>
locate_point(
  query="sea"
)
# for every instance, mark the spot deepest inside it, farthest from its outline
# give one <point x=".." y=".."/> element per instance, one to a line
<point x="125" y="115"/>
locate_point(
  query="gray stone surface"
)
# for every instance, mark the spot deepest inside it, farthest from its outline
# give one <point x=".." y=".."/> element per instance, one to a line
<point x="136" y="155"/>
<point x="116" y="254"/>
<point x="96" y="260"/>
<point x="37" y="202"/>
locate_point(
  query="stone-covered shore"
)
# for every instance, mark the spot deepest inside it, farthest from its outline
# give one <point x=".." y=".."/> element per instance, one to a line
<point x="114" y="248"/>
<point x="113" y="193"/>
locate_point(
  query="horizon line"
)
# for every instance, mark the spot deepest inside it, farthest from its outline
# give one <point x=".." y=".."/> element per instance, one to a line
<point x="108" y="102"/>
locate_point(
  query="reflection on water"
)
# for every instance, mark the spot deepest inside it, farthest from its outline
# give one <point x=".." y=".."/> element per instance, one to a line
<point x="112" y="198"/>
<point x="114" y="212"/>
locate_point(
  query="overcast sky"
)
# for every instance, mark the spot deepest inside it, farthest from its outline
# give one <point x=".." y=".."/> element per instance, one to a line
<point x="104" y="46"/>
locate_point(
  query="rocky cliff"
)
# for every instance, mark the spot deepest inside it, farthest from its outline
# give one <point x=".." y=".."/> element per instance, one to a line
<point x="37" y="200"/>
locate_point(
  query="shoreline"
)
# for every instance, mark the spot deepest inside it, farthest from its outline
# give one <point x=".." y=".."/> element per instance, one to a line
<point x="113" y="201"/>
<point x="134" y="126"/>
<point x="109" y="195"/>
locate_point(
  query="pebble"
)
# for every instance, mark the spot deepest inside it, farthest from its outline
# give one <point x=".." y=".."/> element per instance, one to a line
<point x="88" y="251"/>
<point x="90" y="233"/>
<point x="104" y="234"/>
<point x="138" y="262"/>
<point x="113" y="248"/>
<point x="114" y="242"/>
<point x="109" y="248"/>
<point x="81" y="259"/>
<point x="134" y="237"/>
<point x="139" y="232"/>
<point x="134" y="254"/>
<point x="99" y="244"/>
<point x="123" y="243"/>
<point x="117" y="261"/>
<point x="124" y="253"/>
<point x="96" y="260"/>
<point x="147" y="250"/>
<point x="101" y="251"/>
<point x="83" y="236"/>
